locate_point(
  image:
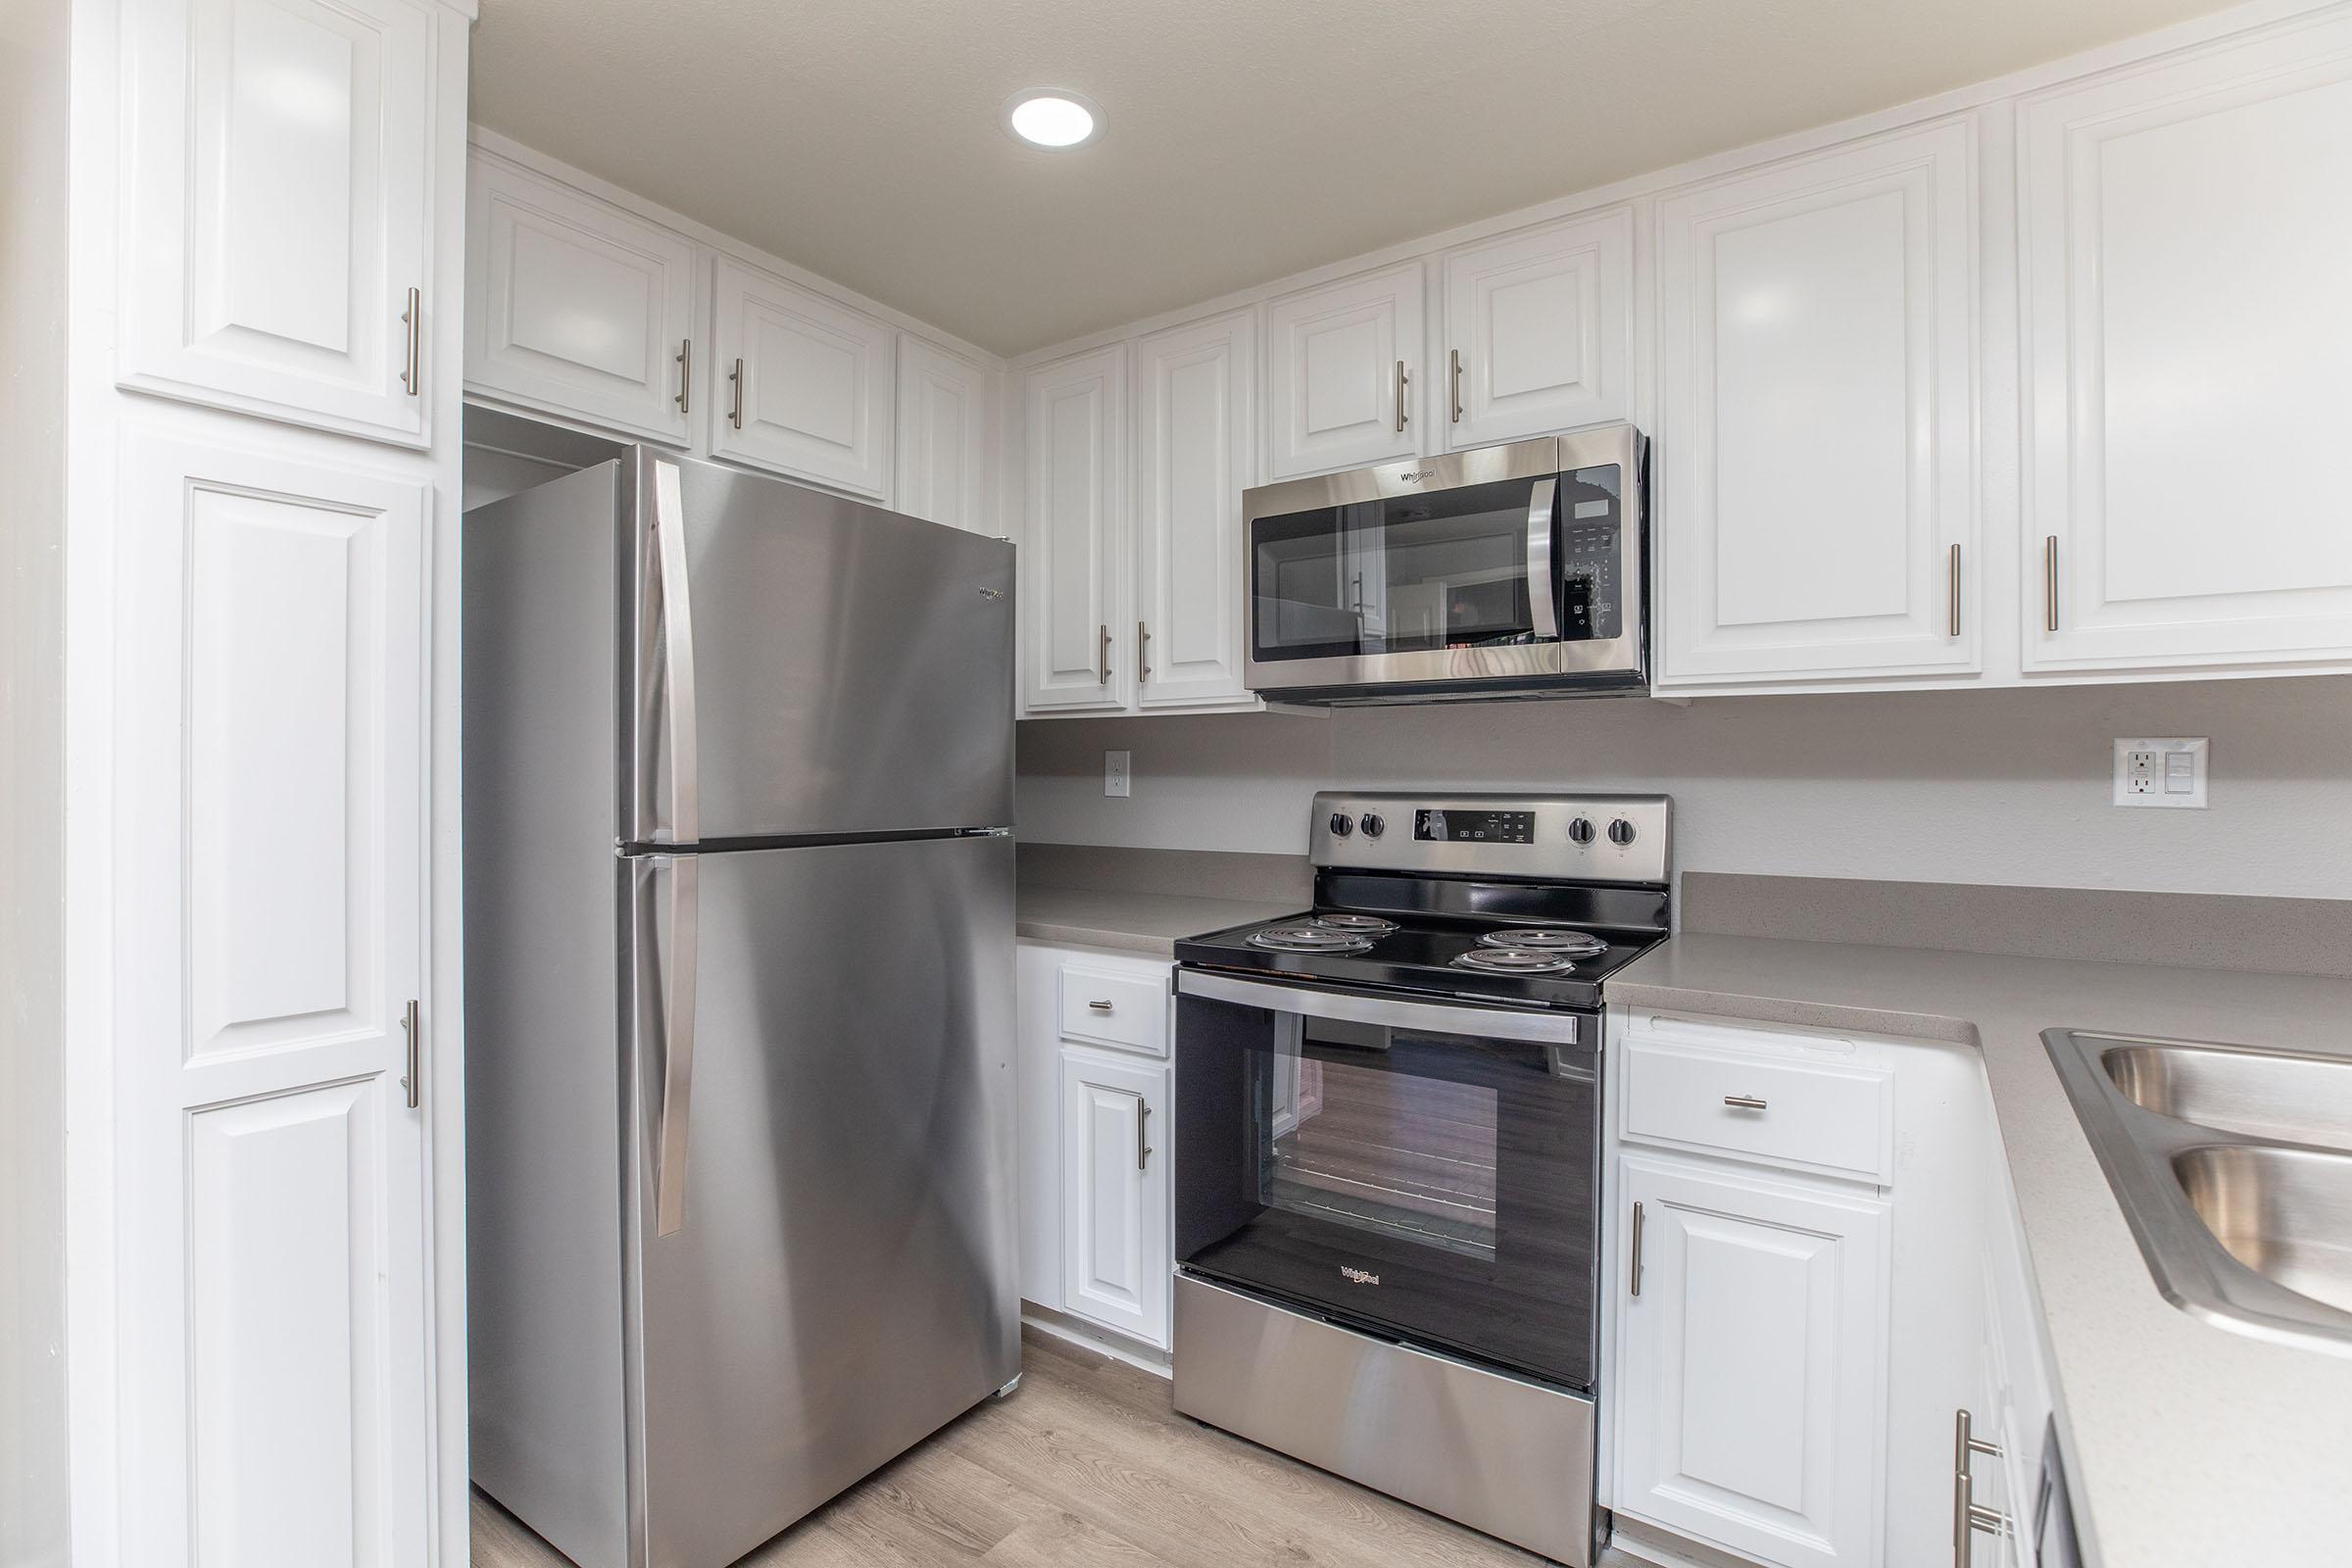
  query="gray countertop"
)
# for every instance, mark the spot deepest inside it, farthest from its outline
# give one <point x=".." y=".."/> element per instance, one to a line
<point x="1133" y="922"/>
<point x="2187" y="1442"/>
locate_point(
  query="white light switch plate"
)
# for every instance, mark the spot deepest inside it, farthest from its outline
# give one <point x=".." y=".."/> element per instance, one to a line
<point x="2161" y="773"/>
<point x="1114" y="774"/>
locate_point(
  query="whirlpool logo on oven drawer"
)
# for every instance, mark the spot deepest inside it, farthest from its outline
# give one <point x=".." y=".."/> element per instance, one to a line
<point x="1358" y="1276"/>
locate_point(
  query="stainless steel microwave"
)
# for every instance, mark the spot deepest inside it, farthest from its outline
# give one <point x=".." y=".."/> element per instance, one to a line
<point x="1515" y="571"/>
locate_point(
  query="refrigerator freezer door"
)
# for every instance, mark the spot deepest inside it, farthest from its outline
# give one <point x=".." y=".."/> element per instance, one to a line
<point x="843" y="1282"/>
<point x="848" y="669"/>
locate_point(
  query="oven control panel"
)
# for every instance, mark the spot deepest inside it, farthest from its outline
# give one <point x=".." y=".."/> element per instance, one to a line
<point x="1573" y="838"/>
<point x="1434" y="826"/>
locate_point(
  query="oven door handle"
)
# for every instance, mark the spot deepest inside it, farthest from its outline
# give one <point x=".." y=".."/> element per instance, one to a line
<point x="1542" y="594"/>
<point x="1438" y="1017"/>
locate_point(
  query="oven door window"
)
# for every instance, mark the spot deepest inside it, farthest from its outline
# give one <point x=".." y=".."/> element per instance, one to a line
<point x="1437" y="1186"/>
<point x="1405" y="574"/>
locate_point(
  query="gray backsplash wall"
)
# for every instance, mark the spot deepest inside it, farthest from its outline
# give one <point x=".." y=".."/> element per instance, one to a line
<point x="2007" y="786"/>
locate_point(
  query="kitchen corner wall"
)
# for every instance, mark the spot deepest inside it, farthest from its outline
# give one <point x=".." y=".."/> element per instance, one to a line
<point x="2007" y="786"/>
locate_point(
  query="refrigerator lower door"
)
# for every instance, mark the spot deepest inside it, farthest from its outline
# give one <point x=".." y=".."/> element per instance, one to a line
<point x="848" y="669"/>
<point x="842" y="1281"/>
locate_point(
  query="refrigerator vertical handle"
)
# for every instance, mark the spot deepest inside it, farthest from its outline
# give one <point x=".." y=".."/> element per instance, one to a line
<point x="1543" y="593"/>
<point x="668" y="513"/>
<point x="677" y="1043"/>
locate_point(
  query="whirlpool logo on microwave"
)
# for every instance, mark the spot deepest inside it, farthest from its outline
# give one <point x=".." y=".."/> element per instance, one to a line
<point x="1358" y="1276"/>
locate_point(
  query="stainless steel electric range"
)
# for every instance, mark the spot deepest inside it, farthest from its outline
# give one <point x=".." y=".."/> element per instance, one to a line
<point x="1387" y="1168"/>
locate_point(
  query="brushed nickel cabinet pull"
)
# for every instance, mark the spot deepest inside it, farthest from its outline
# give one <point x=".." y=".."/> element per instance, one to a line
<point x="1952" y="619"/>
<point x="411" y="370"/>
<point x="1967" y="1514"/>
<point x="1455" y="356"/>
<point x="1744" y="1102"/>
<point x="1142" y="1151"/>
<point x="1402" y="381"/>
<point x="2050" y="582"/>
<point x="735" y="379"/>
<point x="1097" y="1007"/>
<point x="1143" y="665"/>
<point x="414" y="1083"/>
<point x="685" y="364"/>
<point x="1102" y="657"/>
<point x="1637" y="1269"/>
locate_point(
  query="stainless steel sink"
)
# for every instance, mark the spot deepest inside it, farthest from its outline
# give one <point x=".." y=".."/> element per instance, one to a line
<point x="2234" y="1167"/>
<point x="2261" y="1094"/>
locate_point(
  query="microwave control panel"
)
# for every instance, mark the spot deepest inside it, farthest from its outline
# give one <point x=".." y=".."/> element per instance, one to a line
<point x="1590" y="589"/>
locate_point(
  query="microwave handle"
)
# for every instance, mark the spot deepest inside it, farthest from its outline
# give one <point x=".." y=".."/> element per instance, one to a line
<point x="1543" y="593"/>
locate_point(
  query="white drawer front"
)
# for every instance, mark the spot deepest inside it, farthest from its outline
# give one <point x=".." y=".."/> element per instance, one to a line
<point x="1126" y="1009"/>
<point x="1761" y="1104"/>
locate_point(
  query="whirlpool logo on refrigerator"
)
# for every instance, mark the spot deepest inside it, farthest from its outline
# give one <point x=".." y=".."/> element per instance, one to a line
<point x="1358" y="1276"/>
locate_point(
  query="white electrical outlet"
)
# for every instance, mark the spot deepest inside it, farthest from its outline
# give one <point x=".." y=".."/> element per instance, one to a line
<point x="2161" y="773"/>
<point x="1114" y="774"/>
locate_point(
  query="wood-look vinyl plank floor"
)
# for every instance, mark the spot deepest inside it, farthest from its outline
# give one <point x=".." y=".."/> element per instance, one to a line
<point x="1087" y="1465"/>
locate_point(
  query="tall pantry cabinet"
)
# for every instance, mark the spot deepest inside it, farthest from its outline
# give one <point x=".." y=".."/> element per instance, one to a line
<point x="266" y="313"/>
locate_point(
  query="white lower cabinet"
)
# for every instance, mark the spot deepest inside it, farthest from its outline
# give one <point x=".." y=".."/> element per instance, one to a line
<point x="1096" y="1138"/>
<point x="1116" y="1260"/>
<point x="272" y="1146"/>
<point x="1754" y="1357"/>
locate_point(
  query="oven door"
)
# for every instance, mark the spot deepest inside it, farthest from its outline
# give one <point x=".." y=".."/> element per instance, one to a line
<point x="1419" y="1170"/>
<point x="1506" y="565"/>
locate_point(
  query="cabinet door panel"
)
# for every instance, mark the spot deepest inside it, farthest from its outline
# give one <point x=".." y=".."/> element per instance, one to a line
<point x="2183" y="233"/>
<point x="1541" y="325"/>
<point x="277" y="208"/>
<point x="1332" y="374"/>
<point x="1754" y="1362"/>
<point x="273" y="1171"/>
<point x="1817" y="436"/>
<point x="1116" y="1247"/>
<point x="814" y="397"/>
<point x="1194" y="416"/>
<point x="575" y="306"/>
<point x="942" y="438"/>
<point x="1071" y="538"/>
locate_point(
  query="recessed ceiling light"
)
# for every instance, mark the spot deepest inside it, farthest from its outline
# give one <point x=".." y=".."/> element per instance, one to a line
<point x="1053" y="118"/>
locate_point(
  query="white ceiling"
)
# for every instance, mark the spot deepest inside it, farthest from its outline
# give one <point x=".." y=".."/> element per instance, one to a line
<point x="1245" y="139"/>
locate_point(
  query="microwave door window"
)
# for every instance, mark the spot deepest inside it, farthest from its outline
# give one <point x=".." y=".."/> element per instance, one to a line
<point x="1403" y="574"/>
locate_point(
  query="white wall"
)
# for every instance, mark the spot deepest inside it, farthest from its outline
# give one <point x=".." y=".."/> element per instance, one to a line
<point x="2006" y="787"/>
<point x="32" y="346"/>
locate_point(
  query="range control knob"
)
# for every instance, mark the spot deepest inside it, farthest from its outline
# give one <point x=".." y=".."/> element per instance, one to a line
<point x="1373" y="824"/>
<point x="1341" y="827"/>
<point x="1621" y="832"/>
<point x="1580" y="830"/>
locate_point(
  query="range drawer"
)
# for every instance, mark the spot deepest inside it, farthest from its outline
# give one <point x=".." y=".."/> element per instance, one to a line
<point x="1124" y="1008"/>
<point x="1785" y="1101"/>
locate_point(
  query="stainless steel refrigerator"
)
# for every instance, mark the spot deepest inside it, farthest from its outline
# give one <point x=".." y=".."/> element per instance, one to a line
<point x="738" y="783"/>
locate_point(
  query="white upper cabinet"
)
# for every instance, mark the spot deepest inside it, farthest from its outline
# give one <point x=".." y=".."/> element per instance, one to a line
<point x="576" y="307"/>
<point x="1344" y="374"/>
<point x="1194" y="429"/>
<point x="1538" y="332"/>
<point x="1072" y="608"/>
<point x="1754" y="1352"/>
<point x="943" y="437"/>
<point x="800" y="383"/>
<point x="2186" y="229"/>
<point x="1816" y="481"/>
<point x="276" y="218"/>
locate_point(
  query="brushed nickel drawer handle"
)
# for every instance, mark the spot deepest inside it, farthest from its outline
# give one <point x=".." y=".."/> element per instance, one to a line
<point x="1637" y="1269"/>
<point x="1142" y="1151"/>
<point x="1952" y="620"/>
<point x="1967" y="1514"/>
<point x="1454" y="360"/>
<point x="735" y="399"/>
<point x="1102" y="657"/>
<point x="1402" y="381"/>
<point x="411" y="370"/>
<point x="1099" y="1007"/>
<point x="1744" y="1102"/>
<point x="685" y="364"/>
<point x="414" y="1083"/>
